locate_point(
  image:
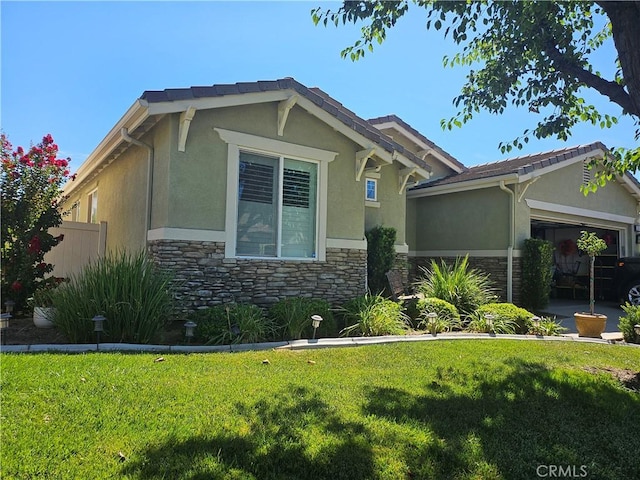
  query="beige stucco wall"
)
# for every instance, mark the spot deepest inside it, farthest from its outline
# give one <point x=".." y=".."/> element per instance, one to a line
<point x="121" y="190"/>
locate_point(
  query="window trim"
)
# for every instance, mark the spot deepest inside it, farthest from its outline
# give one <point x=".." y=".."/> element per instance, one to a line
<point x="90" y="197"/>
<point x="237" y="141"/>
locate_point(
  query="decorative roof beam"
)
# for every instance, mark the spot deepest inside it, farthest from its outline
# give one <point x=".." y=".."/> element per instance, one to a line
<point x="185" y="123"/>
<point x="284" y="107"/>
<point x="403" y="177"/>
<point x="361" y="161"/>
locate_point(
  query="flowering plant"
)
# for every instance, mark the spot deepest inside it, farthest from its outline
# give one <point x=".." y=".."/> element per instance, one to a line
<point x="31" y="187"/>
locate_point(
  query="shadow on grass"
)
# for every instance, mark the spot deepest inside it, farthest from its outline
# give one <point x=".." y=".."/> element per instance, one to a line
<point x="530" y="418"/>
<point x="295" y="435"/>
<point x="476" y="423"/>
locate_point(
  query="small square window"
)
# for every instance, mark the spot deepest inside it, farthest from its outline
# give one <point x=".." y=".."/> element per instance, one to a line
<point x="372" y="190"/>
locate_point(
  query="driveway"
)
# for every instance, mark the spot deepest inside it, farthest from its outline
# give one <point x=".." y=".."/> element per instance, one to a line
<point x="563" y="309"/>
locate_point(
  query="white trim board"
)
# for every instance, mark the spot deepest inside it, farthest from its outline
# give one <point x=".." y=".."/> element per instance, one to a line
<point x="580" y="212"/>
<point x="186" y="234"/>
<point x="462" y="253"/>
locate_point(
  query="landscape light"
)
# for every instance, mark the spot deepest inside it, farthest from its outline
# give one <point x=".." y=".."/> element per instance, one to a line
<point x="189" y="331"/>
<point x="98" y="327"/>
<point x="315" y="323"/>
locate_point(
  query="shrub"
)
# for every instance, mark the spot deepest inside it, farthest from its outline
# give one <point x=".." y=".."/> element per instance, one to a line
<point x="371" y="315"/>
<point x="447" y="318"/>
<point x="628" y="321"/>
<point x="465" y="288"/>
<point x="31" y="187"/>
<point x="292" y="317"/>
<point x="479" y="322"/>
<point x="233" y="323"/>
<point x="545" y="326"/>
<point x="128" y="289"/>
<point x="381" y="256"/>
<point x="537" y="274"/>
<point x="508" y="311"/>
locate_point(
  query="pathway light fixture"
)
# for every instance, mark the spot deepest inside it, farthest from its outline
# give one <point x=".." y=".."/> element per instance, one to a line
<point x="98" y="327"/>
<point x="315" y="323"/>
<point x="189" y="330"/>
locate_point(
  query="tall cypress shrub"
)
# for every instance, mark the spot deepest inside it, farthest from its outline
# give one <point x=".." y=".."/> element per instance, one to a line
<point x="381" y="255"/>
<point x="537" y="262"/>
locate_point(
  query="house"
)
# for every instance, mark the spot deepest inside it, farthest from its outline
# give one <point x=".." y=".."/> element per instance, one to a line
<point x="487" y="211"/>
<point x="250" y="192"/>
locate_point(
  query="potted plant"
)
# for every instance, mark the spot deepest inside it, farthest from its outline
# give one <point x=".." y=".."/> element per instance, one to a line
<point x="590" y="324"/>
<point x="42" y="302"/>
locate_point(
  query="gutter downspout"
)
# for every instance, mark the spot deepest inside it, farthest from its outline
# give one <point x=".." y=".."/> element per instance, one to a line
<point x="512" y="238"/>
<point x="124" y="133"/>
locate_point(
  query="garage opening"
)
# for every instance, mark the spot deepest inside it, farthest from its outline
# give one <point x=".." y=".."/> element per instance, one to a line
<point x="571" y="266"/>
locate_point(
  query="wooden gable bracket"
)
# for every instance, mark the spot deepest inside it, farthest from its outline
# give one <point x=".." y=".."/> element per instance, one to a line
<point x="523" y="188"/>
<point x="284" y="107"/>
<point x="423" y="153"/>
<point x="185" y="123"/>
<point x="362" y="157"/>
<point x="403" y="177"/>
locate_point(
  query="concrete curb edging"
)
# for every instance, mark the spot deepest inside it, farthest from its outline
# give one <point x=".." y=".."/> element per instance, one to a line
<point x="295" y="344"/>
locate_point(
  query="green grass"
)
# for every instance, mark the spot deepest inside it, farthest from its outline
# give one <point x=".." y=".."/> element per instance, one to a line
<point x="448" y="409"/>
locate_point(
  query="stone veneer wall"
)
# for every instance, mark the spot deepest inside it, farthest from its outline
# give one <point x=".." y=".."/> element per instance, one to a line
<point x="496" y="267"/>
<point x="204" y="277"/>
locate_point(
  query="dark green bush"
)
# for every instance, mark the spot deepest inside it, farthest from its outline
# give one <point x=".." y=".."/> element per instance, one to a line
<point x="292" y="318"/>
<point x="232" y="323"/>
<point x="372" y="315"/>
<point x="628" y="322"/>
<point x="520" y="317"/>
<point x="465" y="288"/>
<point x="381" y="256"/>
<point x="128" y="289"/>
<point x="537" y="274"/>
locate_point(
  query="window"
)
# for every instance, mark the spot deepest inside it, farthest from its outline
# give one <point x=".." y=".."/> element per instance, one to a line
<point x="276" y="204"/>
<point x="92" y="216"/>
<point x="277" y="207"/>
<point x="75" y="212"/>
<point x="371" y="194"/>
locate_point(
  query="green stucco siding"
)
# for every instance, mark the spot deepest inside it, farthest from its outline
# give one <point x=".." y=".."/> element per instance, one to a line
<point x="472" y="220"/>
<point x="198" y="177"/>
<point x="391" y="208"/>
<point x="563" y="187"/>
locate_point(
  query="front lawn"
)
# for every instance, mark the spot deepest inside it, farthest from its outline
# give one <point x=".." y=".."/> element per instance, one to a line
<point x="447" y="409"/>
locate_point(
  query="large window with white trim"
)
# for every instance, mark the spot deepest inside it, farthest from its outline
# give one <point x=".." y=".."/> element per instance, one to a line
<point x="277" y="206"/>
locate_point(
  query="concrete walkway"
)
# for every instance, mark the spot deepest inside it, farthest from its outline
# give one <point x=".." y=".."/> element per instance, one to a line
<point x="293" y="345"/>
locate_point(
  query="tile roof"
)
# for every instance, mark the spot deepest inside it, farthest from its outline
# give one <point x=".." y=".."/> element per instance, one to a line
<point x="416" y="133"/>
<point x="518" y="165"/>
<point x="315" y="95"/>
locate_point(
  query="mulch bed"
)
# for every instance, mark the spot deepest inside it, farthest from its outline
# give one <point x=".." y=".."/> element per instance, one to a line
<point x="22" y="331"/>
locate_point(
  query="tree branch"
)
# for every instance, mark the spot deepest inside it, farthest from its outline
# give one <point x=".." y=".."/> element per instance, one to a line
<point x="615" y="92"/>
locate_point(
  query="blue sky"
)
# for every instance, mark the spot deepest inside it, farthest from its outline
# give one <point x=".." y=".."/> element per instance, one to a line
<point x="72" y="69"/>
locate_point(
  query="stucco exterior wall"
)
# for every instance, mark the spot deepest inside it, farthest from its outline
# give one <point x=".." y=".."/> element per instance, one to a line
<point x="391" y="206"/>
<point x="121" y="188"/>
<point x="471" y="220"/>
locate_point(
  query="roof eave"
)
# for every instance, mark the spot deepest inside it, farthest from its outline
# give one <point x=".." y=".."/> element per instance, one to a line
<point x="476" y="184"/>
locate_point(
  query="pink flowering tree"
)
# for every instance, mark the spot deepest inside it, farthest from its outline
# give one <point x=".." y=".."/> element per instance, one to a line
<point x="31" y="185"/>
